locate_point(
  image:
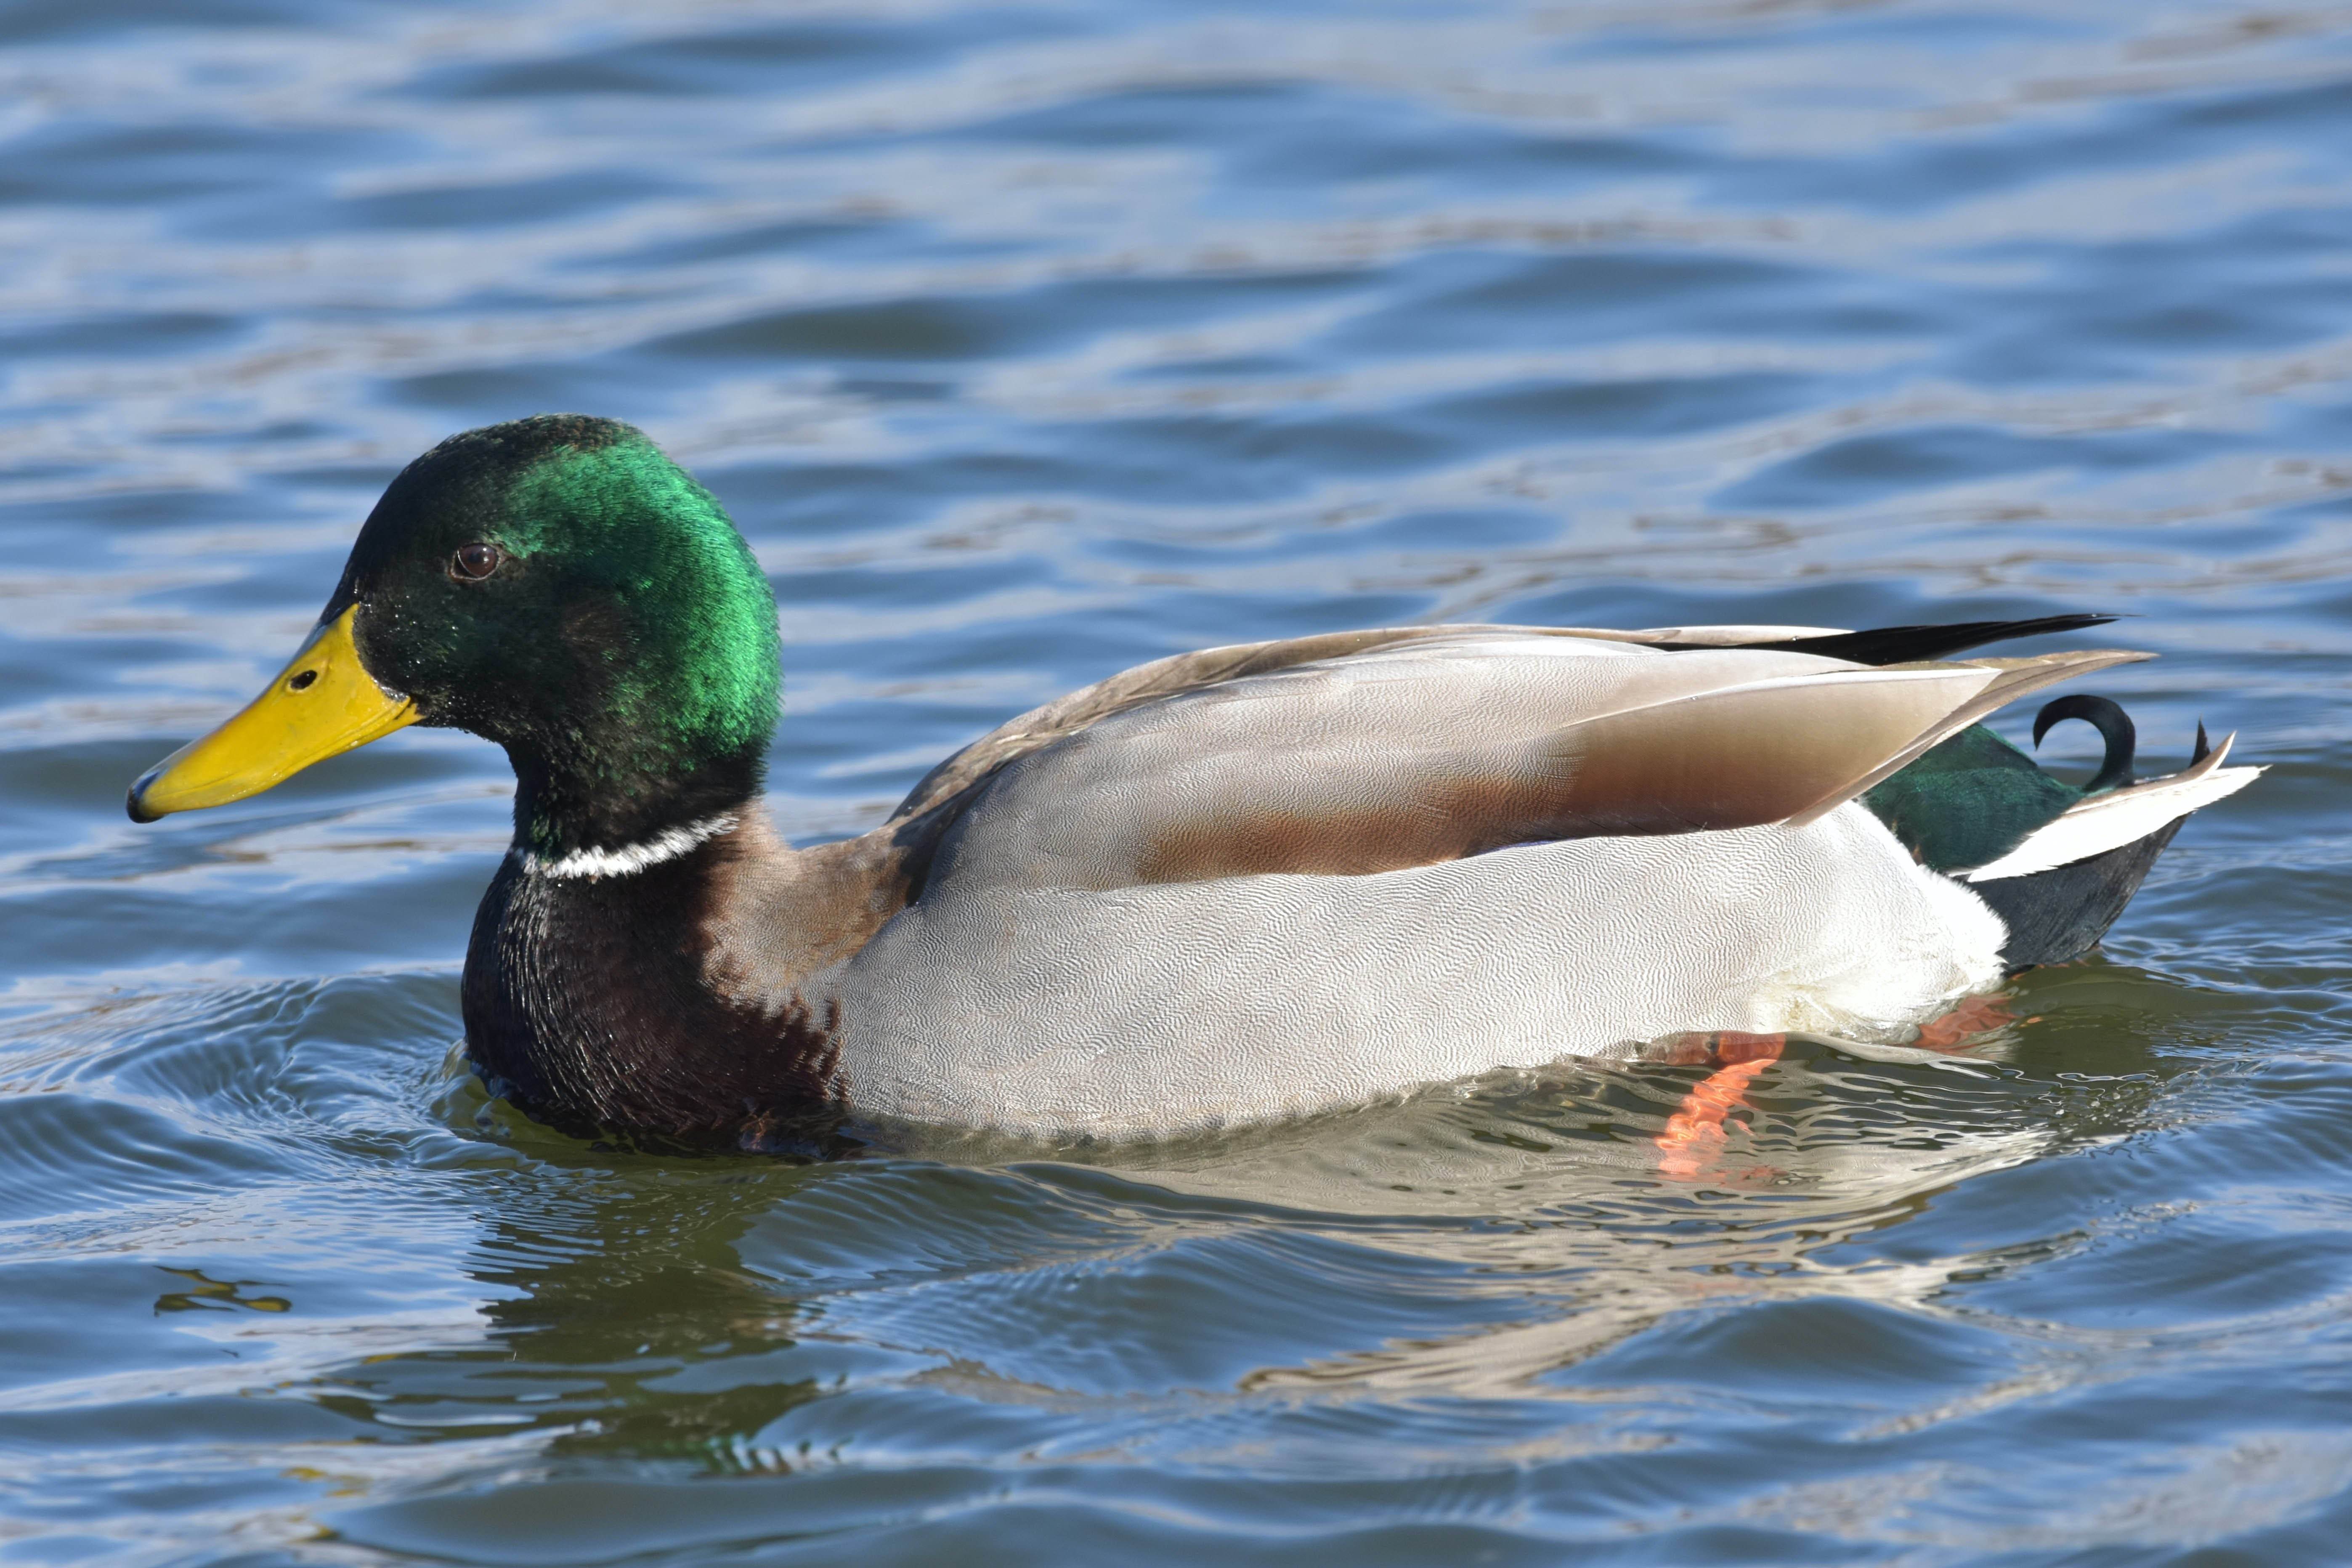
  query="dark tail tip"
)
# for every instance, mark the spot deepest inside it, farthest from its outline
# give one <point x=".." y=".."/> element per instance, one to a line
<point x="2110" y="720"/>
<point x="1901" y="645"/>
<point x="2204" y="747"/>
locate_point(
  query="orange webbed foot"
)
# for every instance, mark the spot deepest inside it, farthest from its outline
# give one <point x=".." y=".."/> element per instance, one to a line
<point x="1950" y="1032"/>
<point x="1692" y="1137"/>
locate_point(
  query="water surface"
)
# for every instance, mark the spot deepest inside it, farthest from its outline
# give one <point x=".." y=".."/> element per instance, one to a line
<point x="1030" y="341"/>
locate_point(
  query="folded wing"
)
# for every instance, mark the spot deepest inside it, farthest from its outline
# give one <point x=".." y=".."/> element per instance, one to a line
<point x="1449" y="743"/>
<point x="1185" y="672"/>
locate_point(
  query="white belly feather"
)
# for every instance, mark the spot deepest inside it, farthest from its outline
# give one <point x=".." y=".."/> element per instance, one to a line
<point x="1171" y="1008"/>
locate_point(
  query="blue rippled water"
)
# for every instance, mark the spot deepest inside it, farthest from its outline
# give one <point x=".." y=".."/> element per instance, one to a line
<point x="1030" y="341"/>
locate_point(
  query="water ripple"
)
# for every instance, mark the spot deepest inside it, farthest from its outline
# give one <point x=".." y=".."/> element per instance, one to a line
<point x="1027" y="341"/>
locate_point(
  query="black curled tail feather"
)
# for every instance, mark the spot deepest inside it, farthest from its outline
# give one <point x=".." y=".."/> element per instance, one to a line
<point x="1905" y="644"/>
<point x="2113" y="724"/>
<point x="2060" y="914"/>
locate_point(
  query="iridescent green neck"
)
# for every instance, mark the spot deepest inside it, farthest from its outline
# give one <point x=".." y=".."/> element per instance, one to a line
<point x="670" y="667"/>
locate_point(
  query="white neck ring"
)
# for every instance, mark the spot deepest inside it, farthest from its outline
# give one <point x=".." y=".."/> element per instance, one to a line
<point x="629" y="859"/>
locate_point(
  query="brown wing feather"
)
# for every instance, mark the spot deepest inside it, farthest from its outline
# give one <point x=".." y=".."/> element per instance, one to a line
<point x="1739" y="757"/>
<point x="1185" y="672"/>
<point x="1368" y="751"/>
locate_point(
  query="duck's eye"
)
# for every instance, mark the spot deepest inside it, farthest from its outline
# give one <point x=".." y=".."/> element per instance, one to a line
<point x="475" y="560"/>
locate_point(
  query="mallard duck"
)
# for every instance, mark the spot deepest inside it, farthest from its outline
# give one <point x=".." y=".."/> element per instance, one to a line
<point x="1228" y="885"/>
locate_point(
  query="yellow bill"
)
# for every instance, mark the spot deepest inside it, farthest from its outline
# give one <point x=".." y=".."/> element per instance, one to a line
<point x="320" y="704"/>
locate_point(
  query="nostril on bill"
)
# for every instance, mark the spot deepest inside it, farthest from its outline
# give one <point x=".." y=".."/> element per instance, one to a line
<point x="302" y="681"/>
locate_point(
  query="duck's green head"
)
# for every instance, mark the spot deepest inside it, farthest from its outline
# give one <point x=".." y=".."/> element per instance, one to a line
<point x="558" y="585"/>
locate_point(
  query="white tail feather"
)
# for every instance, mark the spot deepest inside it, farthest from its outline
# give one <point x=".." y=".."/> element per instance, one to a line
<point x="2120" y="817"/>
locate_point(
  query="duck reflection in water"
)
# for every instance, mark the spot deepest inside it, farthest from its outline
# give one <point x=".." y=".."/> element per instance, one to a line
<point x="1598" y="1201"/>
<point x="1691" y="1145"/>
<point x="619" y="1320"/>
<point x="703" y="1310"/>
